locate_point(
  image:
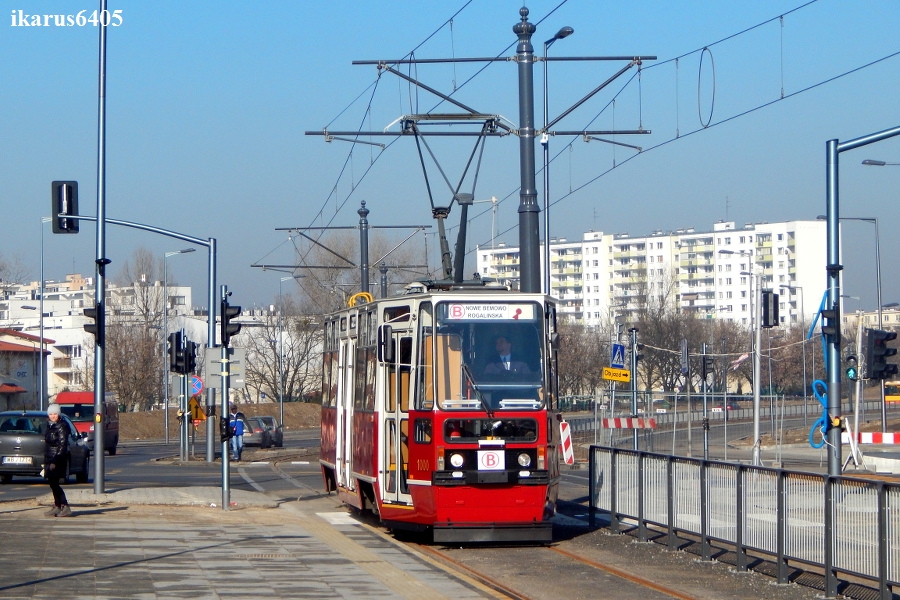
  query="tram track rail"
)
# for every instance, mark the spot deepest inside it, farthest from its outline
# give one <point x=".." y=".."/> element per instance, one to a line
<point x="509" y="591"/>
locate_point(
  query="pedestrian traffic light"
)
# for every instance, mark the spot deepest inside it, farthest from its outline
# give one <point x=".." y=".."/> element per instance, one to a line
<point x="174" y="351"/>
<point x="875" y="353"/>
<point x="228" y="328"/>
<point x="64" y="201"/>
<point x="852" y="368"/>
<point x="769" y="309"/>
<point x="225" y="431"/>
<point x="97" y="327"/>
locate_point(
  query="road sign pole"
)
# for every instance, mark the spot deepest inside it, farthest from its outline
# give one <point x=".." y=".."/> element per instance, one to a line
<point x="226" y="470"/>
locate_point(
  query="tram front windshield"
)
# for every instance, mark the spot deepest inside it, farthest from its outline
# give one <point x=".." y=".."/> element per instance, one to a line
<point x="497" y="347"/>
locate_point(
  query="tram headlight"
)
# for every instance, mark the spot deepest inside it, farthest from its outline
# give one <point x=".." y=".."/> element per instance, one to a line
<point x="524" y="460"/>
<point x="456" y="460"/>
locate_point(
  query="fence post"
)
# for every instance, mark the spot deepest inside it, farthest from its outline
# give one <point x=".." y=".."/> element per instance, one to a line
<point x="883" y="588"/>
<point x="740" y="553"/>
<point x="670" y="509"/>
<point x="592" y="463"/>
<point x="705" y="552"/>
<point x="613" y="491"/>
<point x="642" y="526"/>
<point x="781" y="525"/>
<point x="831" y="582"/>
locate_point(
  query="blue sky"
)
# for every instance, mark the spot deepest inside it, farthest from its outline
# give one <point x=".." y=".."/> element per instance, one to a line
<point x="208" y="102"/>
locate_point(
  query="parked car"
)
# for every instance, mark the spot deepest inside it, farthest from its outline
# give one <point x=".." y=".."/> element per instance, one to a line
<point x="730" y="405"/>
<point x="22" y="445"/>
<point x="256" y="433"/>
<point x="276" y="432"/>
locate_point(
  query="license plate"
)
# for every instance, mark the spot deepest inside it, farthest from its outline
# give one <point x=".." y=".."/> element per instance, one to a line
<point x="16" y="460"/>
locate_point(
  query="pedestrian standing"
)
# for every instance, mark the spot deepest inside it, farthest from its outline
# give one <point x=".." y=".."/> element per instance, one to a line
<point x="236" y="423"/>
<point x="56" y="461"/>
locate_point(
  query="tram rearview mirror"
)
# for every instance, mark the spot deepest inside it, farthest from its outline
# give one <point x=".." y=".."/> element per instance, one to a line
<point x="386" y="343"/>
<point x="554" y="340"/>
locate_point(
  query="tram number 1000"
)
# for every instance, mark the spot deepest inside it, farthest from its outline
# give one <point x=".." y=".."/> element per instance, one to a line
<point x="423" y="464"/>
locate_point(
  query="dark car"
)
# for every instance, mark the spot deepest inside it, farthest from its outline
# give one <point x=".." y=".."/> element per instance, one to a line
<point x="256" y="433"/>
<point x="22" y="445"/>
<point x="276" y="432"/>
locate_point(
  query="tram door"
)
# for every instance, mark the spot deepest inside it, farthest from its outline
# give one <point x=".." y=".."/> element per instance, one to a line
<point x="344" y="409"/>
<point x="395" y="441"/>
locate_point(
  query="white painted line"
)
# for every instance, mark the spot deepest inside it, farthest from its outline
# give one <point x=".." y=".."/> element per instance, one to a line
<point x="338" y="518"/>
<point x="300" y="462"/>
<point x="255" y="485"/>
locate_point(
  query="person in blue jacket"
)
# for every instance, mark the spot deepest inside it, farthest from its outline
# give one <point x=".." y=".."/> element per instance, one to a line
<point x="236" y="423"/>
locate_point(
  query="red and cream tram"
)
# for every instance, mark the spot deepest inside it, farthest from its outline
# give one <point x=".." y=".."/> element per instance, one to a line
<point x="420" y="426"/>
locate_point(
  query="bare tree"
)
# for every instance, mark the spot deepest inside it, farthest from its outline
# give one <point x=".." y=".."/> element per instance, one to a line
<point x="13" y="270"/>
<point x="288" y="343"/>
<point x="332" y="275"/>
<point x="133" y="333"/>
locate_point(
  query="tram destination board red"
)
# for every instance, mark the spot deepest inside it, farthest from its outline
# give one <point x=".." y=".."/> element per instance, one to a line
<point x="611" y="374"/>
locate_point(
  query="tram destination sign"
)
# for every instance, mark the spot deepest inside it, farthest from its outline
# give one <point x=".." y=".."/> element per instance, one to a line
<point x="611" y="374"/>
<point x="490" y="312"/>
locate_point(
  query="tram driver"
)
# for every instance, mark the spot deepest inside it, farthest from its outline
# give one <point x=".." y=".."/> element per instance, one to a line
<point x="506" y="361"/>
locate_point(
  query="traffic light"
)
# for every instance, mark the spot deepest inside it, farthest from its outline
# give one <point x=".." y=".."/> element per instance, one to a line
<point x="875" y="351"/>
<point x="190" y="357"/>
<point x="228" y="328"/>
<point x="174" y="351"/>
<point x="64" y="200"/>
<point x="769" y="309"/>
<point x="97" y="327"/>
<point x="852" y="368"/>
<point x="707" y="366"/>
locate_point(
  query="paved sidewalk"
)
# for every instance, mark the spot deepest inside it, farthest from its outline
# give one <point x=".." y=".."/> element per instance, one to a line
<point x="173" y="543"/>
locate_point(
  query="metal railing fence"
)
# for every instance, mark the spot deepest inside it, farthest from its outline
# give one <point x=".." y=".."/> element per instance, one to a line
<point x="843" y="525"/>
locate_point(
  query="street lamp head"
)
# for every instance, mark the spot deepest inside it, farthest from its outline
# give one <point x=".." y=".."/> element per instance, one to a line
<point x="185" y="251"/>
<point x="874" y="163"/>
<point x="562" y="33"/>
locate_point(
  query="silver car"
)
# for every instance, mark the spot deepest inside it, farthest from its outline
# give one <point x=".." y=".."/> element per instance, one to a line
<point x="256" y="433"/>
<point x="276" y="432"/>
<point x="22" y="445"/>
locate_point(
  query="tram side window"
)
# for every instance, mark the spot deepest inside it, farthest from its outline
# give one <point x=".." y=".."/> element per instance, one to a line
<point x="424" y="389"/>
<point x="364" y="379"/>
<point x="398" y="379"/>
<point x="327" y="398"/>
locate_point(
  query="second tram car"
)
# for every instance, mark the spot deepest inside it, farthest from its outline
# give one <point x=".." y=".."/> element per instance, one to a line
<point x="423" y="426"/>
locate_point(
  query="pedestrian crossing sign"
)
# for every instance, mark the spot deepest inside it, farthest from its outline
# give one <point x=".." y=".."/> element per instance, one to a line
<point x="618" y="356"/>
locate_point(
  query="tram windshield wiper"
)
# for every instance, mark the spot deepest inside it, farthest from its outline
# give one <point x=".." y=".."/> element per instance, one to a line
<point x="484" y="403"/>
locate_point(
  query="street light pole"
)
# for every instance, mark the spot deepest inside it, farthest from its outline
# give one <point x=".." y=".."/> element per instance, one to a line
<point x="281" y="351"/>
<point x="166" y="333"/>
<point x="545" y="142"/>
<point x="757" y="342"/>
<point x="794" y="288"/>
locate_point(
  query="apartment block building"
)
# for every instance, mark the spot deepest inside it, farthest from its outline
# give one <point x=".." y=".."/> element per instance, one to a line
<point x="713" y="273"/>
<point x="66" y="344"/>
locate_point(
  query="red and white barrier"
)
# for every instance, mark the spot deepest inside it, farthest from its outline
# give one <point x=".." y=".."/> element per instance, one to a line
<point x="566" y="439"/>
<point x="872" y="437"/>
<point x="629" y="423"/>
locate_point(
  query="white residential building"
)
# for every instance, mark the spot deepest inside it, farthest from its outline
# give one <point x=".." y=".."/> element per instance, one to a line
<point x="65" y="341"/>
<point x="713" y="273"/>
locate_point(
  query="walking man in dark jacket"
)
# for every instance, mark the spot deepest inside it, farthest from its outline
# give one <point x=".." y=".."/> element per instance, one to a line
<point x="56" y="459"/>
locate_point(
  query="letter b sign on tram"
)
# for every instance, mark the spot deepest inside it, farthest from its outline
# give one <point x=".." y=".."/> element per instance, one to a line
<point x="491" y="460"/>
